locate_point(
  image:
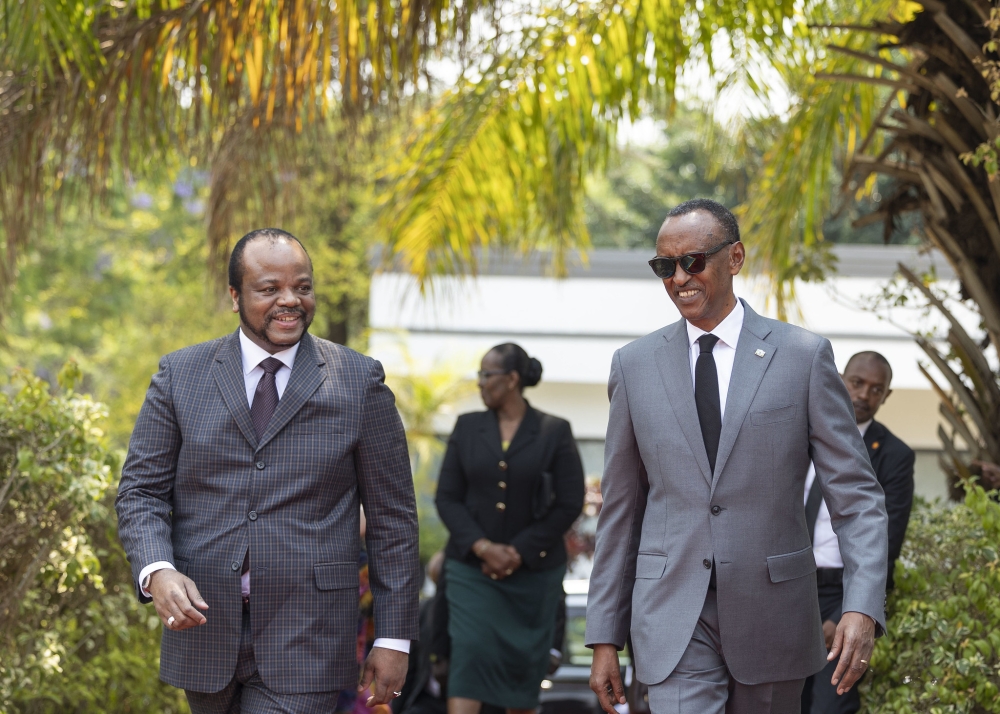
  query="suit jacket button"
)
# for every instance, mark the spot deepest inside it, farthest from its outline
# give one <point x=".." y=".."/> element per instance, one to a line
<point x="252" y="515"/>
<point x="707" y="563"/>
<point x="716" y="510"/>
<point x="502" y="484"/>
<point x="502" y="465"/>
<point x="542" y="554"/>
<point x="501" y="506"/>
<point x="260" y="464"/>
<point x="235" y="566"/>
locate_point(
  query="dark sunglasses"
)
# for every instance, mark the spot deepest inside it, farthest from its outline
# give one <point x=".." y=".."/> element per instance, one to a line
<point x="691" y="263"/>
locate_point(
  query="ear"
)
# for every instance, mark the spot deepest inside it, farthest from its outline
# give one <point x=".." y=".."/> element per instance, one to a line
<point x="888" y="392"/>
<point x="737" y="256"/>
<point x="235" y="295"/>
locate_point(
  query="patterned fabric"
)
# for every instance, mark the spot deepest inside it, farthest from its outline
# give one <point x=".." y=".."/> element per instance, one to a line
<point x="246" y="692"/>
<point x="265" y="398"/>
<point x="199" y="488"/>
<point x="350" y="700"/>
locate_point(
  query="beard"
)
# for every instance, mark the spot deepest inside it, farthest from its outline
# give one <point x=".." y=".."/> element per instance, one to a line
<point x="260" y="330"/>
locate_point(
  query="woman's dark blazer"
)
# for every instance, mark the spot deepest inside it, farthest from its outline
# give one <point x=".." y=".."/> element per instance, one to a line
<point x="484" y="492"/>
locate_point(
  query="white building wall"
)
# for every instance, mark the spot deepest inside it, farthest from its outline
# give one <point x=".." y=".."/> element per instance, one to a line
<point x="574" y="325"/>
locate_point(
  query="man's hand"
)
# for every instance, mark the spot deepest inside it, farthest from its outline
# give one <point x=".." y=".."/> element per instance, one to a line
<point x="853" y="643"/>
<point x="176" y="596"/>
<point x="606" y="677"/>
<point x="385" y="672"/>
<point x="829" y="630"/>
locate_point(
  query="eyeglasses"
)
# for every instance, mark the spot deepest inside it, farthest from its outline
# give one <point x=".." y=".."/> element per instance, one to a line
<point x="484" y="373"/>
<point x="692" y="263"/>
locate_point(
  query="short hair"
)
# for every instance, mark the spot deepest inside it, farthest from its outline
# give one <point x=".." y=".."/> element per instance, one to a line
<point x="723" y="216"/>
<point x="871" y="354"/>
<point x="515" y="359"/>
<point x="237" y="267"/>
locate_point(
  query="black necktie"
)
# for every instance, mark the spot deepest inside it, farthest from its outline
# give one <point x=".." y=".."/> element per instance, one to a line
<point x="265" y="399"/>
<point x="813" y="503"/>
<point x="706" y="397"/>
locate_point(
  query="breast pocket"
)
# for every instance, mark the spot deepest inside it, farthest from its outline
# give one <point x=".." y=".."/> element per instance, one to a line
<point x="301" y="427"/>
<point x="772" y="416"/>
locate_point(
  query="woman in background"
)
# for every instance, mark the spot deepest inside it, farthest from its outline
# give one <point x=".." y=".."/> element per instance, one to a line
<point x="511" y="485"/>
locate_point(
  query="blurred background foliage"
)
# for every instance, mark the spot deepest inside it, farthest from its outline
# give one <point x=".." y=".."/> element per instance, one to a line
<point x="73" y="637"/>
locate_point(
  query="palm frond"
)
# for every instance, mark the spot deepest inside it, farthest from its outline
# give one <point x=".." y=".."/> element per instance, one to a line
<point x="500" y="162"/>
<point x="90" y="89"/>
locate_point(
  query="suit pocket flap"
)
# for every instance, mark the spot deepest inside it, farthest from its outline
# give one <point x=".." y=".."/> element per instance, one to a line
<point x="335" y="576"/>
<point x="772" y="416"/>
<point x="791" y="565"/>
<point x="650" y="565"/>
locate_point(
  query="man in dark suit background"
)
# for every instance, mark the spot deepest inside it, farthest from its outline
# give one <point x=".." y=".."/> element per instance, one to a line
<point x="241" y="491"/>
<point x="867" y="376"/>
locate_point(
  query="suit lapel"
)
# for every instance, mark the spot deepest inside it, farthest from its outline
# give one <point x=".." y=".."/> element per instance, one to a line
<point x="874" y="438"/>
<point x="305" y="379"/>
<point x="489" y="430"/>
<point x="674" y="363"/>
<point x="229" y="377"/>
<point x="748" y="371"/>
<point x="526" y="432"/>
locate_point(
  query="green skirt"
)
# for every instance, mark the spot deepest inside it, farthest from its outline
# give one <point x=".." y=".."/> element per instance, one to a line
<point x="501" y="633"/>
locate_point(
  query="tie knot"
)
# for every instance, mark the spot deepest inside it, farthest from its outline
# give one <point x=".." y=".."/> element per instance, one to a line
<point x="707" y="342"/>
<point x="272" y="365"/>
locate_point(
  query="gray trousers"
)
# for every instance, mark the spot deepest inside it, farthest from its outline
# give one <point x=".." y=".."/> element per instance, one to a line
<point x="701" y="683"/>
<point x="247" y="694"/>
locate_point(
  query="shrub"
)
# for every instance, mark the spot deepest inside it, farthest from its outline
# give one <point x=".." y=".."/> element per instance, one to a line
<point x="942" y="652"/>
<point x="71" y="639"/>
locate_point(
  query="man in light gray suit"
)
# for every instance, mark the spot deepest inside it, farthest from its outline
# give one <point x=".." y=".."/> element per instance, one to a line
<point x="702" y="548"/>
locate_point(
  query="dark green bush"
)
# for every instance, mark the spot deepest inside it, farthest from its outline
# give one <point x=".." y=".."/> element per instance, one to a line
<point x="942" y="652"/>
<point x="73" y="638"/>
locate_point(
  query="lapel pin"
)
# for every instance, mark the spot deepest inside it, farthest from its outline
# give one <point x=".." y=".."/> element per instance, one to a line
<point x="759" y="353"/>
<point x="875" y="446"/>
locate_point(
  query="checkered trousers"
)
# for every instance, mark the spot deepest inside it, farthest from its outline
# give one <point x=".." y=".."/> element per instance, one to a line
<point x="198" y="488"/>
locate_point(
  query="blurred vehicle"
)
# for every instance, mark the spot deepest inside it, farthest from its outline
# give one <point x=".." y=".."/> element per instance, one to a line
<point x="568" y="690"/>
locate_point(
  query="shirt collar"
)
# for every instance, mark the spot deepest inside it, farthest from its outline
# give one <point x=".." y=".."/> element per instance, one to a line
<point x="864" y="427"/>
<point x="728" y="331"/>
<point x="253" y="354"/>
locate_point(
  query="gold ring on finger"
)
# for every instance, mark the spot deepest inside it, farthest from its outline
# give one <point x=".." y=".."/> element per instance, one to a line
<point x="170" y="621"/>
<point x="493" y="575"/>
<point x="863" y="661"/>
<point x="509" y="571"/>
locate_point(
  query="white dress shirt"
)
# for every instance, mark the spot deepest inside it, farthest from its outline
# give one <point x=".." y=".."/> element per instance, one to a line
<point x="724" y="352"/>
<point x="253" y="354"/>
<point x="826" y="545"/>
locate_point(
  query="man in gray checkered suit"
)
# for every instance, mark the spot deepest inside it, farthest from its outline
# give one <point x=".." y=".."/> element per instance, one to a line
<point x="239" y="504"/>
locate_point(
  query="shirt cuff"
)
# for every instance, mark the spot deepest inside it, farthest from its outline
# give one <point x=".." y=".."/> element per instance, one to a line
<point x="149" y="570"/>
<point x="391" y="644"/>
